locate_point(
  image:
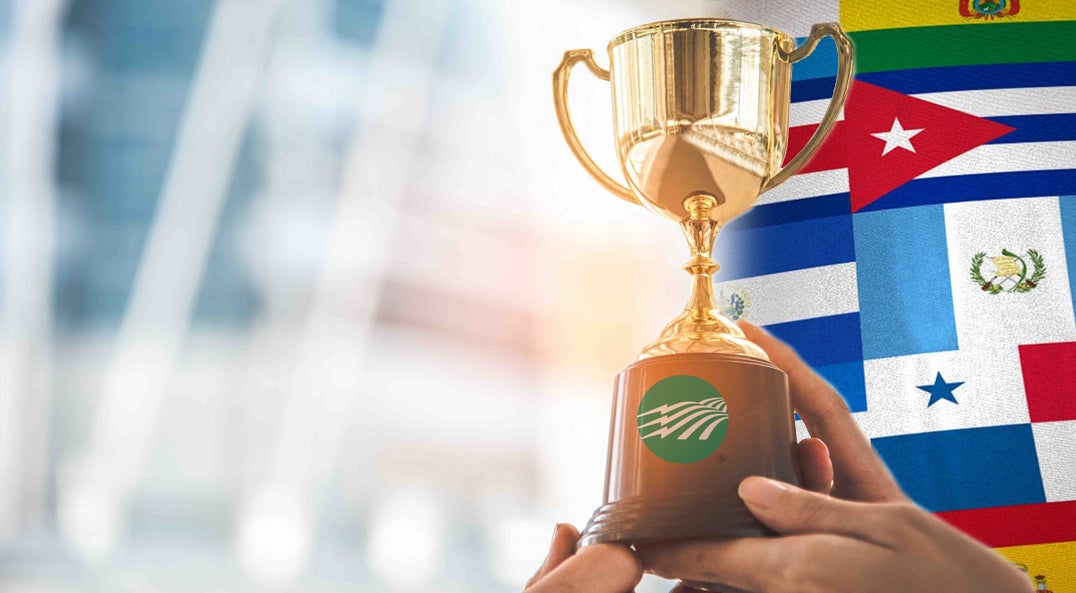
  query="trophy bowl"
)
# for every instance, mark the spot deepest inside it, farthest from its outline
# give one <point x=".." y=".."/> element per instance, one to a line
<point x="700" y="111"/>
<point x="700" y="107"/>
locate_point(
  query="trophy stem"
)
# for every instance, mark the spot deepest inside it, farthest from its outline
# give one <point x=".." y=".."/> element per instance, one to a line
<point x="701" y="327"/>
<point x="700" y="231"/>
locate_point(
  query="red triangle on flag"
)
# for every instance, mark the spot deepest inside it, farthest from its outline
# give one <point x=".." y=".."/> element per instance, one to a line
<point x="893" y="138"/>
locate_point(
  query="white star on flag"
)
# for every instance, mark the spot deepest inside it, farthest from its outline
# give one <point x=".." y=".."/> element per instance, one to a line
<point x="897" y="137"/>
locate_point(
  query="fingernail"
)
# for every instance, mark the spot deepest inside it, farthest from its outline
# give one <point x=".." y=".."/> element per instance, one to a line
<point x="761" y="492"/>
<point x="552" y="540"/>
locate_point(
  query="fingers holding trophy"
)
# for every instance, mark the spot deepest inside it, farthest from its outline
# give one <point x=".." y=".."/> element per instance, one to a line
<point x="700" y="110"/>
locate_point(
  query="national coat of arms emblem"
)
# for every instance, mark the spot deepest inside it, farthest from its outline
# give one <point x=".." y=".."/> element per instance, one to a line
<point x="733" y="302"/>
<point x="989" y="9"/>
<point x="1008" y="272"/>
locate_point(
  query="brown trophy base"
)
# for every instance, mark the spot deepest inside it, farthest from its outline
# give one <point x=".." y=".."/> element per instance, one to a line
<point x="650" y="501"/>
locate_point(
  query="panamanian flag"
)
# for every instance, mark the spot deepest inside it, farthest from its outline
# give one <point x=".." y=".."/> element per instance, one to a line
<point x="924" y="261"/>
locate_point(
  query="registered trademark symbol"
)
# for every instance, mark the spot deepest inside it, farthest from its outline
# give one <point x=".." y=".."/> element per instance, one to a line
<point x="721" y="457"/>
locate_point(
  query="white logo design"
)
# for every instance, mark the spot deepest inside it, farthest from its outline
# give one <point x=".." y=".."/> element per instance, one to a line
<point x="686" y="418"/>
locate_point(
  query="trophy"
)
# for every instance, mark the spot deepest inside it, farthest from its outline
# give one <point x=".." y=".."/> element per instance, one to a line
<point x="700" y="108"/>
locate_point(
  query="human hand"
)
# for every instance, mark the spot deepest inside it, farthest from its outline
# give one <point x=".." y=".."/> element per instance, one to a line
<point x="875" y="540"/>
<point x="600" y="568"/>
<point x="609" y="568"/>
<point x="839" y="545"/>
<point x="858" y="472"/>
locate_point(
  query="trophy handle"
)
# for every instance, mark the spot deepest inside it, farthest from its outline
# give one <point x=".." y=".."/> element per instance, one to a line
<point x="846" y="64"/>
<point x="560" y="100"/>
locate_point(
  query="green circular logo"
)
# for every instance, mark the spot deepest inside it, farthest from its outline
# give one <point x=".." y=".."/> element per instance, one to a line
<point x="682" y="419"/>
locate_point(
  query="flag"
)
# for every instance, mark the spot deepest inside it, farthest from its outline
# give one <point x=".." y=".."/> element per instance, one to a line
<point x="924" y="261"/>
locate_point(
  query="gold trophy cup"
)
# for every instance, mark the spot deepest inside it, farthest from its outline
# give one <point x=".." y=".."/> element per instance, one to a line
<point x="701" y="119"/>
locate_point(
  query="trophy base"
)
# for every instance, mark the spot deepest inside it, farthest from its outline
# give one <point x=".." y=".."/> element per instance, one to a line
<point x="647" y="520"/>
<point x="664" y="481"/>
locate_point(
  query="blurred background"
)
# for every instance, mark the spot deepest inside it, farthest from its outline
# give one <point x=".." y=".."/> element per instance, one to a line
<point x="309" y="294"/>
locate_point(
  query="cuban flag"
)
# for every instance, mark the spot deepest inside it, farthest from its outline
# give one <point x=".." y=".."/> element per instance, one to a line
<point x="924" y="261"/>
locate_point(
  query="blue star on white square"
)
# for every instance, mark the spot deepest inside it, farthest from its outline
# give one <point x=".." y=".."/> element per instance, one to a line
<point x="940" y="390"/>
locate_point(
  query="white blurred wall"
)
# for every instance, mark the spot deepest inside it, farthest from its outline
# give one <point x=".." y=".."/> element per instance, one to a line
<point x="308" y="295"/>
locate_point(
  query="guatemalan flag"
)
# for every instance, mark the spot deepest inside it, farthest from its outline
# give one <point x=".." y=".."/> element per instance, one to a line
<point x="925" y="261"/>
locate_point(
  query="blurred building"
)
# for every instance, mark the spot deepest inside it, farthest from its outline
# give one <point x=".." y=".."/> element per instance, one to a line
<point x="306" y="294"/>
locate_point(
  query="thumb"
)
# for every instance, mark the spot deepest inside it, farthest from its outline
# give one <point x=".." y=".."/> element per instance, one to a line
<point x="601" y="568"/>
<point x="790" y="510"/>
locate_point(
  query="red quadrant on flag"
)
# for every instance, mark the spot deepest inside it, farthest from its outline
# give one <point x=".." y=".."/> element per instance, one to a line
<point x="1017" y="525"/>
<point x="1049" y="372"/>
<point x="888" y="138"/>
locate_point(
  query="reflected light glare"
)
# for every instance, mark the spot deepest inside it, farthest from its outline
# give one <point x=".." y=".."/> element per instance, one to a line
<point x="406" y="538"/>
<point x="517" y="546"/>
<point x="132" y="389"/>
<point x="337" y="374"/>
<point x="654" y="584"/>
<point x="274" y="538"/>
<point x="90" y="520"/>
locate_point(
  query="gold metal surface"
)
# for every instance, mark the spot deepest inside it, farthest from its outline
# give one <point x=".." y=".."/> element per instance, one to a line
<point x="846" y="60"/>
<point x="560" y="101"/>
<point x="701" y="121"/>
<point x="701" y="327"/>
